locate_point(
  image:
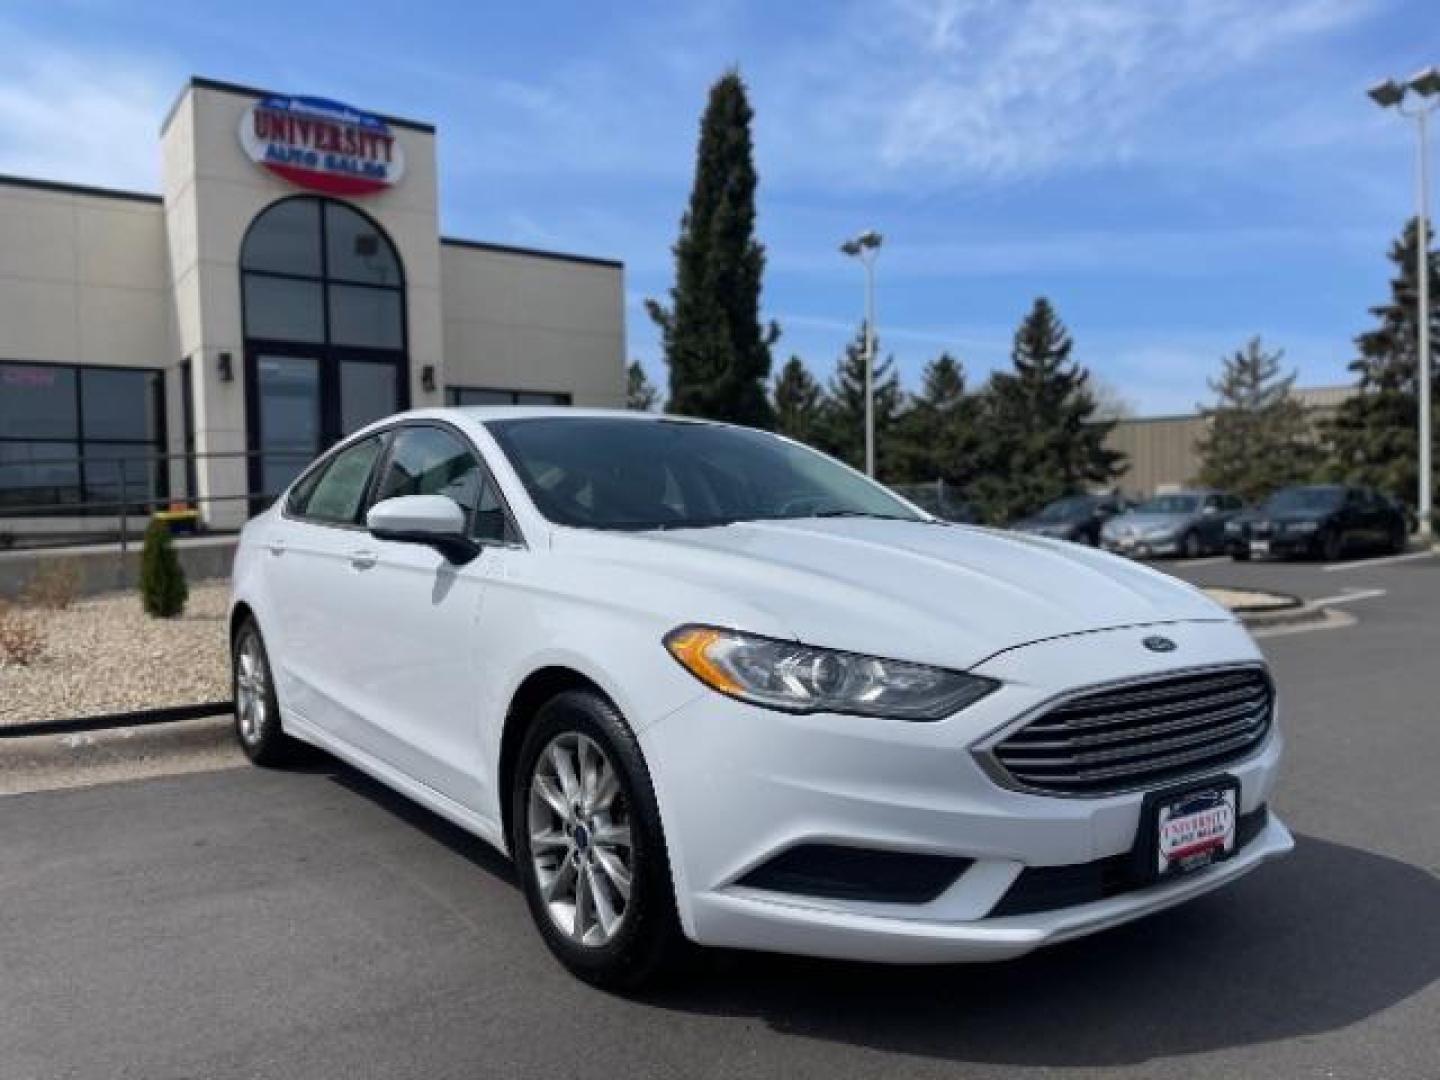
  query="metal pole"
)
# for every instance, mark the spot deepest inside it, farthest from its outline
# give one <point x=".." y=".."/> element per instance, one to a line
<point x="869" y="365"/>
<point x="1422" y="371"/>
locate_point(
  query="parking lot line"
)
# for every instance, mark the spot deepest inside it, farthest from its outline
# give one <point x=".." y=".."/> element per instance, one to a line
<point x="1206" y="561"/>
<point x="1349" y="596"/>
<point x="1361" y="564"/>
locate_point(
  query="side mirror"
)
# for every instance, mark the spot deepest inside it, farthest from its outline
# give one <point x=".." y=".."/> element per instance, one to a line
<point x="423" y="519"/>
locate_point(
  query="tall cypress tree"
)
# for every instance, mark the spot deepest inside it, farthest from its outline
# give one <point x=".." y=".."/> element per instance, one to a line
<point x="1374" y="436"/>
<point x="1259" y="437"/>
<point x="1041" y="436"/>
<point x="939" y="436"/>
<point x="842" y="433"/>
<point x="717" y="350"/>
<point x="799" y="402"/>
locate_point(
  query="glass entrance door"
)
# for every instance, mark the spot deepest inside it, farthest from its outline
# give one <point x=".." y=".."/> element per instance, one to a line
<point x="288" y="419"/>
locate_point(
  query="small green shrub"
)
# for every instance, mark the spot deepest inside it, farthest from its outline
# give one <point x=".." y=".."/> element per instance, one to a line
<point x="162" y="581"/>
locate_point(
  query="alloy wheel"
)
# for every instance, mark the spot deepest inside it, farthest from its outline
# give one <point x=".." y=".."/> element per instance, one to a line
<point x="581" y="846"/>
<point x="251" y="697"/>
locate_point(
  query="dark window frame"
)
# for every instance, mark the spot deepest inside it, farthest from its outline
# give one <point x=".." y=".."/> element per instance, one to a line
<point x="158" y="489"/>
<point x="453" y="391"/>
<point x="329" y="355"/>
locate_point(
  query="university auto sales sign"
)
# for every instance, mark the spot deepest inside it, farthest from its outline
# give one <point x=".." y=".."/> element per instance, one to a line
<point x="322" y="145"/>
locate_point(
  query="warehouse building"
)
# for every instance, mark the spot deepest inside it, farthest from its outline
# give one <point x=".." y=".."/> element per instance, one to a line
<point x="1162" y="452"/>
<point x="287" y="285"/>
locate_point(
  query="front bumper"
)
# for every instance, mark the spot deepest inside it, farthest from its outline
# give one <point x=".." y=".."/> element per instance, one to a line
<point x="738" y="785"/>
<point x="1141" y="547"/>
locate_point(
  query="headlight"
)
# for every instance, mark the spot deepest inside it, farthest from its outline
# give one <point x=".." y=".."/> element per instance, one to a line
<point x="1302" y="526"/>
<point x="798" y="678"/>
<point x="1234" y="528"/>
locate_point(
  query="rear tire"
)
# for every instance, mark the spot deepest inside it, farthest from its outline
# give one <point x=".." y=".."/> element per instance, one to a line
<point x="589" y="849"/>
<point x="1332" y="546"/>
<point x="1190" y="545"/>
<point x="257" y="710"/>
<point x="1399" y="540"/>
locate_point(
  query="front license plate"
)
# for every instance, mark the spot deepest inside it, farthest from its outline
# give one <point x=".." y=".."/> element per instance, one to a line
<point x="1259" y="547"/>
<point x="1195" y="829"/>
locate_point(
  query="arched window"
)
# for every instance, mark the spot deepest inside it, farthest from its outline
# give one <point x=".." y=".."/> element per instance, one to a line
<point x="323" y="295"/>
<point x="320" y="272"/>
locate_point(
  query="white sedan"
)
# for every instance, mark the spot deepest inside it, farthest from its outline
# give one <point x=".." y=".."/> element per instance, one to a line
<point x="704" y="684"/>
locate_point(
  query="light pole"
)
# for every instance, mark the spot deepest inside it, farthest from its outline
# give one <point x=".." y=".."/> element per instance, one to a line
<point x="1391" y="94"/>
<point x="865" y="247"/>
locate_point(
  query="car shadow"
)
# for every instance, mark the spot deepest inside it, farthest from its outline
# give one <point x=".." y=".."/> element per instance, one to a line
<point x="1313" y="943"/>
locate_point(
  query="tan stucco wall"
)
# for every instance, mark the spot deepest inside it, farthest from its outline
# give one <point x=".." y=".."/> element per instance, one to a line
<point x="524" y="322"/>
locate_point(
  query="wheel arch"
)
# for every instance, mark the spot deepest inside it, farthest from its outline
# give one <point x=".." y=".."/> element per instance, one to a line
<point x="239" y="612"/>
<point x="535" y="690"/>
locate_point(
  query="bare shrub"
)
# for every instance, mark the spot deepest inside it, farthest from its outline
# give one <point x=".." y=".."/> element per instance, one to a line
<point x="54" y="585"/>
<point x="22" y="641"/>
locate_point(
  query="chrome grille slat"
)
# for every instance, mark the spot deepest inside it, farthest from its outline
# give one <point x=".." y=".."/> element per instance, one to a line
<point x="1022" y="740"/>
<point x="1159" y="729"/>
<point x="1107" y="699"/>
<point x="1250" y="694"/>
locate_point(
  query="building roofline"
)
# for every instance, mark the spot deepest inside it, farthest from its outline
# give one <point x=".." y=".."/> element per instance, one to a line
<point x="537" y="253"/>
<point x="63" y="188"/>
<point x="200" y="82"/>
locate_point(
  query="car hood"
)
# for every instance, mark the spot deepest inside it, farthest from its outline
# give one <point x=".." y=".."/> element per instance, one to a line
<point x="943" y="594"/>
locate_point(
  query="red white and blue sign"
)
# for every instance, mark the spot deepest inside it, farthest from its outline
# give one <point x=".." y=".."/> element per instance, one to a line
<point x="322" y="145"/>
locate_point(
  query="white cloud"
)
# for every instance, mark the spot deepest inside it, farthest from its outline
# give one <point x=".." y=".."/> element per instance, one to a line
<point x="81" y="117"/>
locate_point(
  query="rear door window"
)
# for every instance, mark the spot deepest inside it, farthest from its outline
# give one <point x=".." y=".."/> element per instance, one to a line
<point x="337" y="491"/>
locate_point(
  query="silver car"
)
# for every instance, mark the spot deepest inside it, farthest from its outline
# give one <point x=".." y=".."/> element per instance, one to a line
<point x="1189" y="523"/>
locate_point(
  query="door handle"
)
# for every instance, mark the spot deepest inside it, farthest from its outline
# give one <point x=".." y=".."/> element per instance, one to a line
<point x="277" y="547"/>
<point x="363" y="560"/>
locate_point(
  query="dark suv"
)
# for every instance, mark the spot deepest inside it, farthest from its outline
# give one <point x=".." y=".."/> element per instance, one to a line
<point x="1319" y="521"/>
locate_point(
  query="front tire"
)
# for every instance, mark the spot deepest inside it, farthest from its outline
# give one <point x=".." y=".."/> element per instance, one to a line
<point x="589" y="849"/>
<point x="1332" y="546"/>
<point x="257" y="710"/>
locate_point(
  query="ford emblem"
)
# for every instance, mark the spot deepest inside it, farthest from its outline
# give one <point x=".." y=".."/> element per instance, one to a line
<point x="1156" y="643"/>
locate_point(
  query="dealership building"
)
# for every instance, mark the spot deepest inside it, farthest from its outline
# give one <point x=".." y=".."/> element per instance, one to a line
<point x="288" y="284"/>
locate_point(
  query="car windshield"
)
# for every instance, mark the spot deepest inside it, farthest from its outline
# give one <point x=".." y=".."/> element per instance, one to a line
<point x="622" y="473"/>
<point x="1065" y="509"/>
<point x="1170" y="504"/>
<point x="1306" y="498"/>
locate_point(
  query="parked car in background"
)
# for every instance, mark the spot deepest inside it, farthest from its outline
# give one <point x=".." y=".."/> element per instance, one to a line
<point x="940" y="499"/>
<point x="700" y="682"/>
<point x="1319" y="521"/>
<point x="1189" y="523"/>
<point x="1078" y="518"/>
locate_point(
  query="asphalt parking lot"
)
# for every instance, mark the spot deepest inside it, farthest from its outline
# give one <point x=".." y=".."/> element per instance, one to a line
<point x="241" y="923"/>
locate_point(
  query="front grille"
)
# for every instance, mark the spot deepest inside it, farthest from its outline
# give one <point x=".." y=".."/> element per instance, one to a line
<point x="1141" y="734"/>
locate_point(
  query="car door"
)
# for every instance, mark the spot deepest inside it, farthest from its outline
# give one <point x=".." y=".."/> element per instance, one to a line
<point x="308" y="570"/>
<point x="413" y="615"/>
<point x="1212" y="522"/>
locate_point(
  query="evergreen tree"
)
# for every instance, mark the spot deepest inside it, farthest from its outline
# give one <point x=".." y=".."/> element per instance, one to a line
<point x="715" y="346"/>
<point x="640" y="392"/>
<point x="1042" y="439"/>
<point x="799" y="402"/>
<point x="939" y="437"/>
<point x="1259" y="437"/>
<point x="163" y="591"/>
<point x="1373" y="437"/>
<point x="842" y="433"/>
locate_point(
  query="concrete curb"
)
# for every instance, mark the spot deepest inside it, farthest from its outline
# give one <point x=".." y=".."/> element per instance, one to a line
<point x="1286" y="616"/>
<point x="80" y="759"/>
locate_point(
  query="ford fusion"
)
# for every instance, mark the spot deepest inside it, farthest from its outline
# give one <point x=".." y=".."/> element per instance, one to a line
<point x="704" y="685"/>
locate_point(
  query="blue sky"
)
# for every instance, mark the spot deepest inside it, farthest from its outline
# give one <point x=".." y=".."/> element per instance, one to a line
<point x="1176" y="175"/>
